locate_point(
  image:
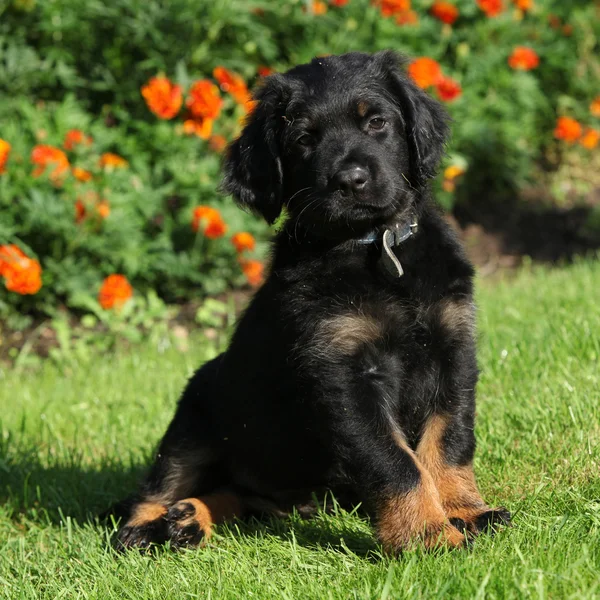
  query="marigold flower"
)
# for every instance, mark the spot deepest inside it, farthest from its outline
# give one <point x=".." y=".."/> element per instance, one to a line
<point x="243" y="241"/>
<point x="114" y="292"/>
<point x="408" y="17"/>
<point x="444" y="11"/>
<point x="338" y="3"/>
<point x="44" y="155"/>
<point x="318" y="7"/>
<point x="210" y="220"/>
<point x="492" y="8"/>
<point x="567" y="129"/>
<point x="4" y="152"/>
<point x="567" y="29"/>
<point x="392" y="7"/>
<point x="594" y="107"/>
<point x="524" y="4"/>
<point x="425" y="72"/>
<point x="265" y="71"/>
<point x="76" y="137"/>
<point x="163" y="97"/>
<point x="22" y="274"/>
<point x="81" y="174"/>
<point x="590" y="139"/>
<point x="233" y="84"/>
<point x="554" y="21"/>
<point x="204" y="101"/>
<point x="254" y="271"/>
<point x="453" y="171"/>
<point x="523" y="59"/>
<point x="200" y="127"/>
<point x="217" y="143"/>
<point x="80" y="211"/>
<point x="111" y="161"/>
<point x="448" y="89"/>
<point x="91" y="200"/>
<point x="103" y="209"/>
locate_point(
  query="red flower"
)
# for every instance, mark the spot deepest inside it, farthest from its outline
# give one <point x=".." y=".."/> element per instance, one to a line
<point x="4" y="152"/>
<point x="425" y="72"/>
<point x="265" y="71"/>
<point x="210" y="220"/>
<point x="253" y="270"/>
<point x="110" y="161"/>
<point x="567" y="129"/>
<point x="204" y="101"/>
<point x="75" y="137"/>
<point x="492" y="8"/>
<point x="523" y="59"/>
<point x="22" y="274"/>
<point x="408" y="17"/>
<point x="338" y="3"/>
<point x="590" y="139"/>
<point x="114" y="292"/>
<point x="43" y="156"/>
<point x="448" y="89"/>
<point x="392" y="7"/>
<point x="233" y="84"/>
<point x="243" y="241"/>
<point x="163" y="97"/>
<point x="444" y="11"/>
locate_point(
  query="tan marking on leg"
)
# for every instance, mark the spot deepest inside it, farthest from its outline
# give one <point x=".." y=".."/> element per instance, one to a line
<point x="417" y="516"/>
<point x="145" y="512"/>
<point x="211" y="510"/>
<point x="457" y="314"/>
<point x="456" y="485"/>
<point x="344" y="334"/>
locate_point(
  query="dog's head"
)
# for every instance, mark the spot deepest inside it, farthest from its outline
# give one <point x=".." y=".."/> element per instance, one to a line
<point x="344" y="142"/>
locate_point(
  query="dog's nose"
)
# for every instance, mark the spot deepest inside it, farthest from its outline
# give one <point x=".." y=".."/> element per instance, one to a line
<point x="352" y="179"/>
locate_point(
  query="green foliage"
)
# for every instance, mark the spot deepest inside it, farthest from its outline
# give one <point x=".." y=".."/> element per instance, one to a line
<point x="67" y="64"/>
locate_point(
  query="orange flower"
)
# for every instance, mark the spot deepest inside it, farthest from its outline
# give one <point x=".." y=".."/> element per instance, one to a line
<point x="318" y="7"/>
<point x="204" y="101"/>
<point x="492" y="8"/>
<point x="425" y="71"/>
<point x="22" y="274"/>
<point x="392" y="7"/>
<point x="233" y="83"/>
<point x="524" y="4"/>
<point x="567" y="129"/>
<point x="243" y="241"/>
<point x="91" y="199"/>
<point x="81" y="174"/>
<point x="43" y="155"/>
<point x="265" y="71"/>
<point x="200" y="127"/>
<point x="452" y="172"/>
<point x="594" y="109"/>
<point x="448" y="89"/>
<point x="253" y="270"/>
<point x="103" y="209"/>
<point x="590" y="139"/>
<point x="408" y="17"/>
<point x="114" y="292"/>
<point x="523" y="59"/>
<point x="111" y="161"/>
<point x="4" y="152"/>
<point x="163" y="97"/>
<point x="217" y="143"/>
<point x="75" y="137"/>
<point x="211" y="221"/>
<point x="444" y="11"/>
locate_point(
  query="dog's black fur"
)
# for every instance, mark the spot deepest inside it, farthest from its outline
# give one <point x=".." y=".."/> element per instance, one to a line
<point x="339" y="375"/>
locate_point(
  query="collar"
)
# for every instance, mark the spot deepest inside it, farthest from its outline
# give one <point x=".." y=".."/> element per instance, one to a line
<point x="391" y="238"/>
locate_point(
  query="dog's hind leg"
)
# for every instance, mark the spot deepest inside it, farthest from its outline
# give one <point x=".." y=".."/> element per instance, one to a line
<point x="188" y="464"/>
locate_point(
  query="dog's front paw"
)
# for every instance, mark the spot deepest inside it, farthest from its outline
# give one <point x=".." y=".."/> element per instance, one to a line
<point x="145" y="527"/>
<point x="488" y="521"/>
<point x="188" y="523"/>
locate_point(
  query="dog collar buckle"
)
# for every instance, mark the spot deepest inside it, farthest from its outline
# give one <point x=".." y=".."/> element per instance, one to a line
<point x="392" y="238"/>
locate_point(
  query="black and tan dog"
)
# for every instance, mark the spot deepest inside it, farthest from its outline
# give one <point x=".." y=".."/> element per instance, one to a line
<point x="353" y="369"/>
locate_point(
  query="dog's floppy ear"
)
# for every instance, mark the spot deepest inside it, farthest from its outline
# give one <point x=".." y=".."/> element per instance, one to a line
<point x="426" y="119"/>
<point x="252" y="168"/>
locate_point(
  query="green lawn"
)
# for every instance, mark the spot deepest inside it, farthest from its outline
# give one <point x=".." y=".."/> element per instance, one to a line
<point x="74" y="440"/>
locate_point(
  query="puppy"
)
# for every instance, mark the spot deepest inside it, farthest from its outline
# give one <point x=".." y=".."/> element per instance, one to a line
<point x="353" y="369"/>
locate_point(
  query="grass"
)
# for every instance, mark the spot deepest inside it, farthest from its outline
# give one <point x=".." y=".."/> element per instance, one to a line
<point x="75" y="439"/>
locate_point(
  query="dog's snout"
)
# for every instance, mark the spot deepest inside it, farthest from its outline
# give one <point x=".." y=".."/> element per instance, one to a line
<point x="351" y="179"/>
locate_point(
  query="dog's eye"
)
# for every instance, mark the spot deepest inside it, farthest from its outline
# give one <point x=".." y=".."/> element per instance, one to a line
<point x="377" y="124"/>
<point x="305" y="140"/>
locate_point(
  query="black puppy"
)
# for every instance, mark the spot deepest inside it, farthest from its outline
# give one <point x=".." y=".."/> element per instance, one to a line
<point x="353" y="369"/>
